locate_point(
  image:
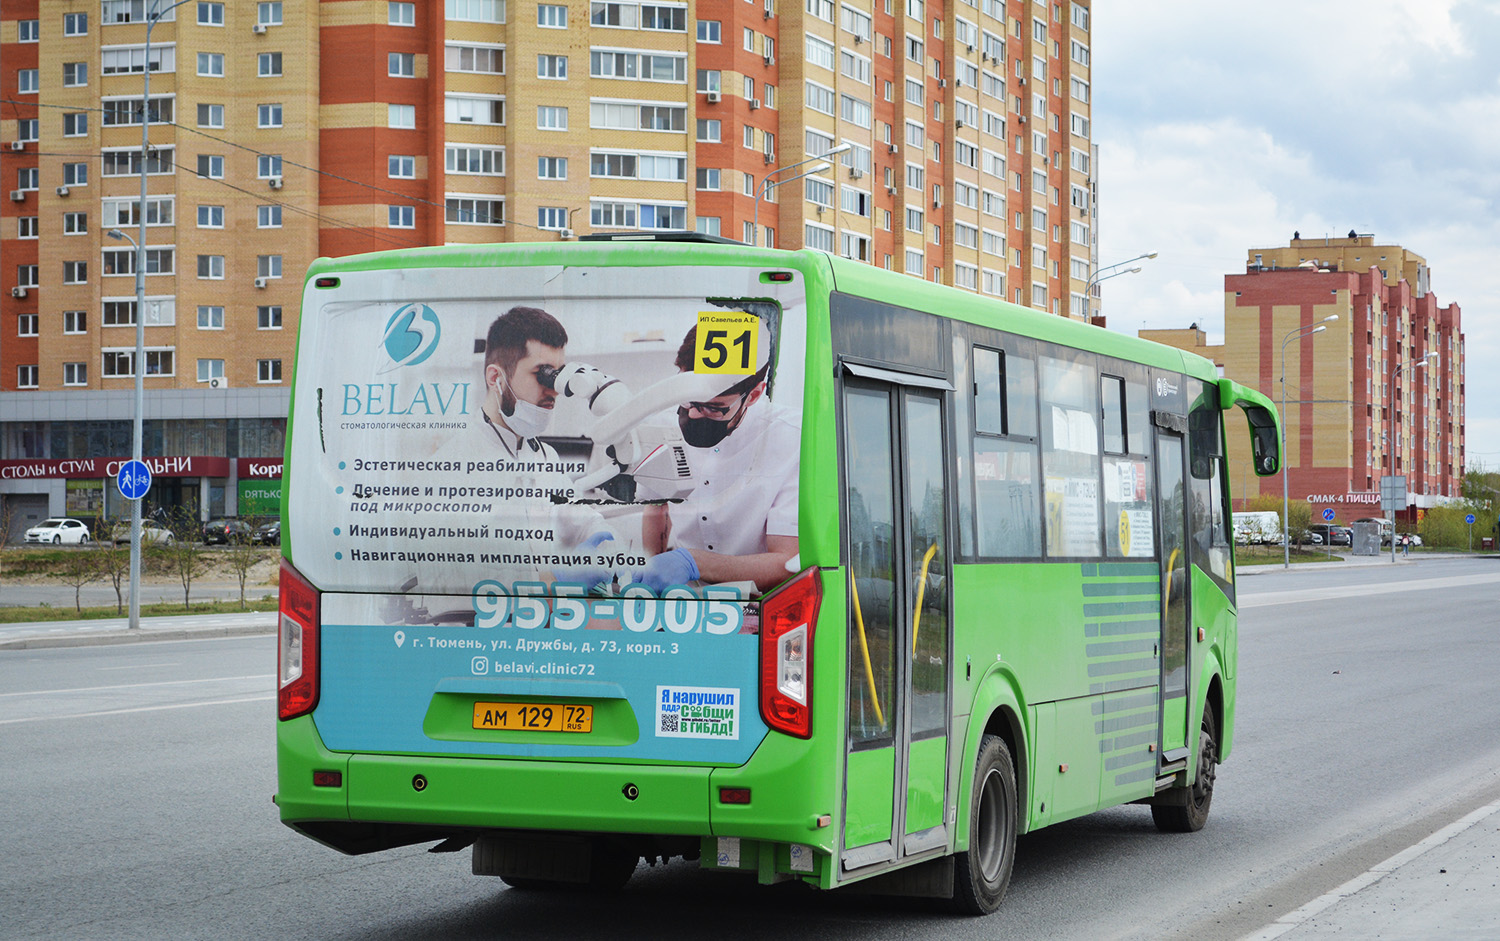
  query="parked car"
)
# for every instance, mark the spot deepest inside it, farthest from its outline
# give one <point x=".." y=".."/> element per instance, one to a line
<point x="152" y="534"/>
<point x="267" y="534"/>
<point x="226" y="531"/>
<point x="59" y="531"/>
<point x="1329" y="534"/>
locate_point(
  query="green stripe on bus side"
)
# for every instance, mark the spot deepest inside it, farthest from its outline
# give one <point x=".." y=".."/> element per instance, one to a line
<point x="1122" y="635"/>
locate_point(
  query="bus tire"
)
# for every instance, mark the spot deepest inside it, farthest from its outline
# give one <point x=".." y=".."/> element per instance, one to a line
<point x="1189" y="813"/>
<point x="981" y="874"/>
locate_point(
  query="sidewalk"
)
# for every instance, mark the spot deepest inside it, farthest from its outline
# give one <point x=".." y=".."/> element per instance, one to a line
<point x="37" y="634"/>
<point x="1447" y="886"/>
<point x="1345" y="560"/>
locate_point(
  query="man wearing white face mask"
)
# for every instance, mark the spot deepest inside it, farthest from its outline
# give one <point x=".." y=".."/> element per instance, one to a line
<point x="524" y="346"/>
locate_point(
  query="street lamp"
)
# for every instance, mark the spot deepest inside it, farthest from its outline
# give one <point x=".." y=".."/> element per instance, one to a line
<point x="767" y="184"/>
<point x="1286" y="530"/>
<point x="153" y="17"/>
<point x="1100" y="275"/>
<point x="135" y="443"/>
<point x="1393" y="443"/>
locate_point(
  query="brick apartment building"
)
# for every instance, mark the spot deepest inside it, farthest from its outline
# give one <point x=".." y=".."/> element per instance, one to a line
<point x="1344" y="430"/>
<point x="287" y="129"/>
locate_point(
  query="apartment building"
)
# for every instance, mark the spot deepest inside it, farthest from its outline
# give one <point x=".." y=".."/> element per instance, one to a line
<point x="1378" y="391"/>
<point x="949" y="139"/>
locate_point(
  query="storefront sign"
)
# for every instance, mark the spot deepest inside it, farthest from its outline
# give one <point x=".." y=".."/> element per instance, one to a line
<point x="102" y="467"/>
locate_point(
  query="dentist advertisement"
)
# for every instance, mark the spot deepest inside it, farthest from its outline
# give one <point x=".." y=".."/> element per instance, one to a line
<point x="600" y="448"/>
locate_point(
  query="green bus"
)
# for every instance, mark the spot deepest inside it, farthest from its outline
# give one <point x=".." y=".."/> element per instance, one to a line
<point x="660" y="545"/>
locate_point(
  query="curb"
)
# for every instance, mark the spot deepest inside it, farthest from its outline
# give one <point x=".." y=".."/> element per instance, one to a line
<point x="142" y="635"/>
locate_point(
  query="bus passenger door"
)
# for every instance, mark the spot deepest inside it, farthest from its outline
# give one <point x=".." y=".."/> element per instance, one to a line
<point x="899" y="647"/>
<point x="1172" y="549"/>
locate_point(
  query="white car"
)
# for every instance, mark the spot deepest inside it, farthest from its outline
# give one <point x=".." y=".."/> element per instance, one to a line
<point x="151" y="534"/>
<point x="59" y="531"/>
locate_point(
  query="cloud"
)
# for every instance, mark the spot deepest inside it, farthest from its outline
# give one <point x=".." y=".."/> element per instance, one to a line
<point x="1225" y="127"/>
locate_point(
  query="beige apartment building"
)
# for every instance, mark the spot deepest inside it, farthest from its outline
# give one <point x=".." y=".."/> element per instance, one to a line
<point x="957" y="136"/>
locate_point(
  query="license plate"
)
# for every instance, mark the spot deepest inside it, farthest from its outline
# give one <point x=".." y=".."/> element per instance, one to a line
<point x="533" y="717"/>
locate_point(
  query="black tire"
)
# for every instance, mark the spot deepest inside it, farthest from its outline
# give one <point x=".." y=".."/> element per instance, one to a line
<point x="1189" y="817"/>
<point x="981" y="874"/>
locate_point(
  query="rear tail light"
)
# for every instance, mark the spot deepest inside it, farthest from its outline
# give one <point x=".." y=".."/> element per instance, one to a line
<point x="297" y="654"/>
<point x="787" y="619"/>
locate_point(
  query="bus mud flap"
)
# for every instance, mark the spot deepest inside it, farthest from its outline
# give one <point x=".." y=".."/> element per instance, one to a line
<point x="930" y="880"/>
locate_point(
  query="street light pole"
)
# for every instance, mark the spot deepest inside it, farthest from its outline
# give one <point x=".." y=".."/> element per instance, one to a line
<point x="153" y="17"/>
<point x="1099" y="275"/>
<point x="767" y="184"/>
<point x="1393" y="445"/>
<point x="1300" y="333"/>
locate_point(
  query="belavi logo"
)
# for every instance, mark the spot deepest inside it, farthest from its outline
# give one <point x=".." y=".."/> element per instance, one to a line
<point x="411" y="336"/>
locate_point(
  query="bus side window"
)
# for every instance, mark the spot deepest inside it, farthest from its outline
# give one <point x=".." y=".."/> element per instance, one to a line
<point x="1006" y="477"/>
<point x="1210" y="521"/>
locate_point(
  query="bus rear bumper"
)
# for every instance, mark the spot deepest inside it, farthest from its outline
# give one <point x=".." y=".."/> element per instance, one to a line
<point x="384" y="801"/>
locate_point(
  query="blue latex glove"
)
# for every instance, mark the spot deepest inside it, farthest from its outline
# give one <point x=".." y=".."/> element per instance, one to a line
<point x="591" y="577"/>
<point x="667" y="569"/>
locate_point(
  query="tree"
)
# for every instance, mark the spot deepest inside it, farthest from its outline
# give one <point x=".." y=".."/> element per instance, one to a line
<point x="79" y="567"/>
<point x="243" y="556"/>
<point x="113" y="561"/>
<point x="183" y="555"/>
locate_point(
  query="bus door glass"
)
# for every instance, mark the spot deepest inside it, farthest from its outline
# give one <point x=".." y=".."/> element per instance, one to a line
<point x="899" y="648"/>
<point x="1173" y="552"/>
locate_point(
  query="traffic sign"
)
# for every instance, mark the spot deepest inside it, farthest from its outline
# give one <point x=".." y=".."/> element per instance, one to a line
<point x="1469" y="519"/>
<point x="1328" y="514"/>
<point x="134" y="480"/>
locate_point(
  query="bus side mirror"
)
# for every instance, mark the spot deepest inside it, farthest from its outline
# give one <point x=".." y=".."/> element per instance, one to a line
<point x="1264" y="446"/>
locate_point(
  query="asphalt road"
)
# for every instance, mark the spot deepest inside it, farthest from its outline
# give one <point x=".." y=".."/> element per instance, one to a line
<point x="138" y="781"/>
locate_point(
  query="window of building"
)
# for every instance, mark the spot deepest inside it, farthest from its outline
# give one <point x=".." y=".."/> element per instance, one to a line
<point x="211" y="64"/>
<point x="211" y="267"/>
<point x="28" y="81"/>
<point x="268" y="13"/>
<point x="471" y="210"/>
<point x="708" y="130"/>
<point x="709" y="31"/>
<point x="75" y="374"/>
<point x="209" y="14"/>
<point x="26" y="325"/>
<point x="552" y="168"/>
<point x="401" y="65"/>
<point x="210" y="115"/>
<point x="268" y="217"/>
<point x="268" y="64"/>
<point x="268" y="266"/>
<point x="28" y="31"/>
<point x="75" y="74"/>
<point x="551" y="118"/>
<point x="268" y="115"/>
<point x="552" y="16"/>
<point x="210" y="317"/>
<point x="401" y="217"/>
<point x="268" y="317"/>
<point x="27" y="227"/>
<point x="401" y="167"/>
<point x="475" y="58"/>
<point x="401" y="116"/>
<point x="210" y="369"/>
<point x="475" y="11"/>
<point x="28" y="377"/>
<point x="268" y="370"/>
<point x="480" y="161"/>
<point x="550" y="66"/>
<point x="472" y="109"/>
<point x="75" y="272"/>
<point x="267" y="166"/>
<point x="552" y="217"/>
<point x="75" y="124"/>
<point x="75" y="321"/>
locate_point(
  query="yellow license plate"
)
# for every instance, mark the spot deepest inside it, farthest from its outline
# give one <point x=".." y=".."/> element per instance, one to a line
<point x="533" y="717"/>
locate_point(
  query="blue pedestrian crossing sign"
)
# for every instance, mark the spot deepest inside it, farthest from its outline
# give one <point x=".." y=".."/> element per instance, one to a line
<point x="1328" y="514"/>
<point x="134" y="480"/>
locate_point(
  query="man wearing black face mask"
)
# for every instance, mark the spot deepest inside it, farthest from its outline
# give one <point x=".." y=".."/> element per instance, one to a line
<point x="740" y="521"/>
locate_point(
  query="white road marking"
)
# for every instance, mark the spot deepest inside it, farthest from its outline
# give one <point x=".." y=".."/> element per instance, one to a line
<point x="1303" y="595"/>
<point x="101" y="689"/>
<point x="1371" y="876"/>
<point x="120" y="712"/>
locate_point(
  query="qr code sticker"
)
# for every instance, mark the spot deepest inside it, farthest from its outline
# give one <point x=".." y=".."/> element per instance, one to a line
<point x="669" y="722"/>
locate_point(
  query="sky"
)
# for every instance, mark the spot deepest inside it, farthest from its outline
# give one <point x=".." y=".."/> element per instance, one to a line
<point x="1225" y="126"/>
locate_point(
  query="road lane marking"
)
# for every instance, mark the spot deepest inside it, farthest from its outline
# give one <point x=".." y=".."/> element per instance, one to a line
<point x="1303" y="595"/>
<point x="1371" y="876"/>
<point x="103" y="689"/>
<point x="121" y="712"/>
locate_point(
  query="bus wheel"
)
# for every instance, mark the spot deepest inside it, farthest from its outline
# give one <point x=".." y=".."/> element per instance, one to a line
<point x="1190" y="812"/>
<point x="981" y="874"/>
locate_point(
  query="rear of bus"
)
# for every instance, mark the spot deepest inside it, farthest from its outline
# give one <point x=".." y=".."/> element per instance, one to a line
<point x="490" y="633"/>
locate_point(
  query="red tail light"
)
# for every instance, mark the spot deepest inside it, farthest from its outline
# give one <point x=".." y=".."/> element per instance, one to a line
<point x="787" y="619"/>
<point x="297" y="654"/>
